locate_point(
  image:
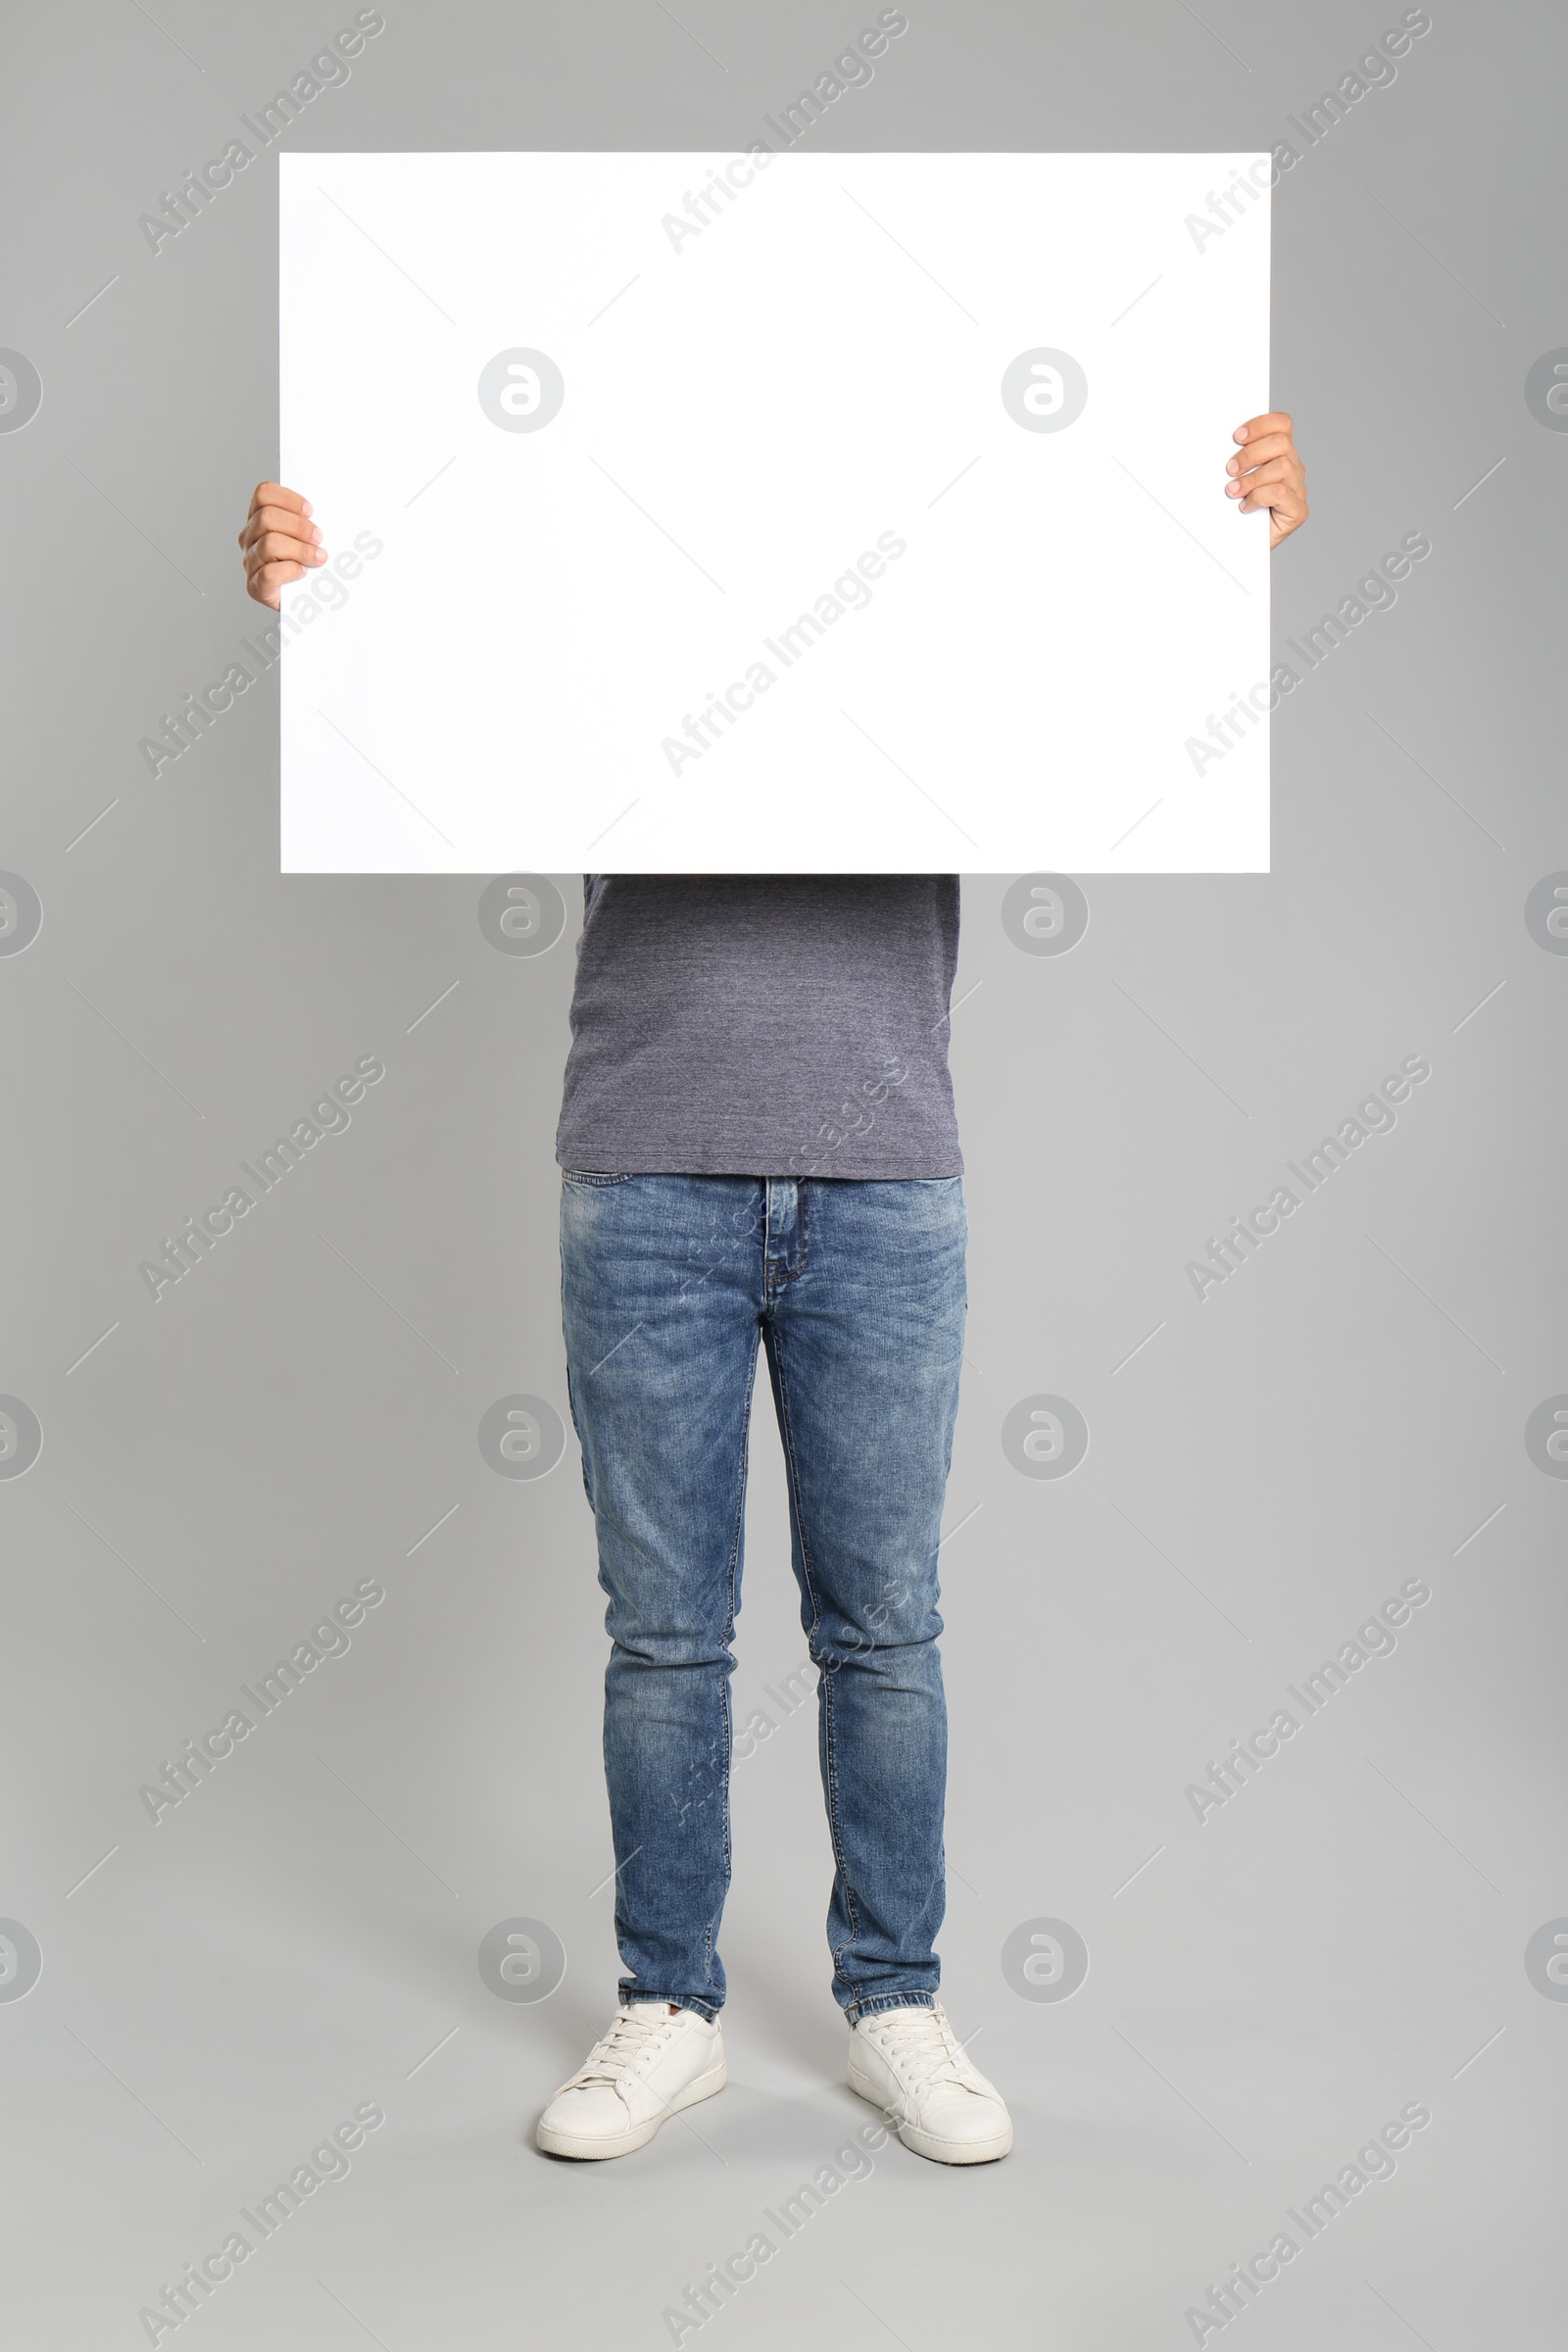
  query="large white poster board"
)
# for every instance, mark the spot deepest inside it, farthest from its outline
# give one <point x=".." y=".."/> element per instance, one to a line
<point x="774" y="514"/>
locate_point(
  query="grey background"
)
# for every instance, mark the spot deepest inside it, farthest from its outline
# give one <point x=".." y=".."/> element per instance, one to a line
<point x="1345" y="1937"/>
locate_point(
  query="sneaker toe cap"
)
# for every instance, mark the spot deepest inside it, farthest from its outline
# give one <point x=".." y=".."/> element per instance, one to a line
<point x="952" y="2112"/>
<point x="594" y="2111"/>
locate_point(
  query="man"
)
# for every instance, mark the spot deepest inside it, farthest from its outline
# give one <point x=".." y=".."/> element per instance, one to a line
<point x="758" y="1150"/>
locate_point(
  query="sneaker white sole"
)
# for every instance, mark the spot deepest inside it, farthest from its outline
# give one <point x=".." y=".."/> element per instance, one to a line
<point x="555" y="2142"/>
<point x="932" y="2143"/>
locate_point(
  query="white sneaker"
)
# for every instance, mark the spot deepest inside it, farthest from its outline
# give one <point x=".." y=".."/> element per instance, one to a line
<point x="910" y="2063"/>
<point x="654" y="2061"/>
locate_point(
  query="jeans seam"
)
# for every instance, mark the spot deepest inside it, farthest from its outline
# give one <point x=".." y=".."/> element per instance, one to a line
<point x="830" y="1750"/>
<point x="727" y="1727"/>
<point x="572" y="1400"/>
<point x="825" y="1682"/>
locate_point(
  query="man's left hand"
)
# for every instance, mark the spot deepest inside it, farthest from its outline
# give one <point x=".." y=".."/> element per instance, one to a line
<point x="1267" y="471"/>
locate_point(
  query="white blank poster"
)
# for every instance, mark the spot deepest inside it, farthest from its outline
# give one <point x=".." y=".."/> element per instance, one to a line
<point x="774" y="514"/>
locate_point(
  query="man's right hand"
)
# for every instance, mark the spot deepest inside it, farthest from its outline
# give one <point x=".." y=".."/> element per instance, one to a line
<point x="280" y="542"/>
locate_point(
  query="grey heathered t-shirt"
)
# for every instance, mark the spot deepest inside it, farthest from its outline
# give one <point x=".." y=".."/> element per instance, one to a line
<point x="763" y="1025"/>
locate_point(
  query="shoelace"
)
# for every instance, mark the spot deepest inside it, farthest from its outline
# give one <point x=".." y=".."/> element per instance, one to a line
<point x="922" y="2041"/>
<point x="622" y="2046"/>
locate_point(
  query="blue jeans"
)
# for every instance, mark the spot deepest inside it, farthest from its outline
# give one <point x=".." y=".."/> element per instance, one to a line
<point x="855" y="1292"/>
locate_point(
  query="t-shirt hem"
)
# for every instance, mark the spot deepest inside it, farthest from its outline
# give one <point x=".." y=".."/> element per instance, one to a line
<point x="692" y="1163"/>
